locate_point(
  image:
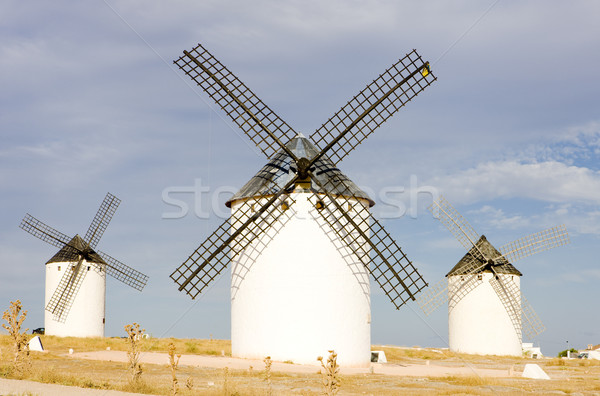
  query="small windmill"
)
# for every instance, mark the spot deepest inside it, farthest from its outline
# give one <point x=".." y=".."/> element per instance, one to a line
<point x="76" y="275"/>
<point x="301" y="237"/>
<point x="487" y="313"/>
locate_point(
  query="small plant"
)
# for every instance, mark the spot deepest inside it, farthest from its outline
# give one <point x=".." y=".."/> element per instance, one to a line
<point x="134" y="336"/>
<point x="14" y="317"/>
<point x="330" y="375"/>
<point x="189" y="383"/>
<point x="173" y="363"/>
<point x="268" y="363"/>
<point x="226" y="381"/>
<point x="191" y="347"/>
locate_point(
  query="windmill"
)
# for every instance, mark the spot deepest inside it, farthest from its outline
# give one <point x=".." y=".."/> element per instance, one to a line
<point x="76" y="275"/>
<point x="487" y="313"/>
<point x="301" y="238"/>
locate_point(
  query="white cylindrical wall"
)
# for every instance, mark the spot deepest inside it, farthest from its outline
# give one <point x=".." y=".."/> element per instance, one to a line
<point x="303" y="294"/>
<point x="479" y="323"/>
<point x="86" y="316"/>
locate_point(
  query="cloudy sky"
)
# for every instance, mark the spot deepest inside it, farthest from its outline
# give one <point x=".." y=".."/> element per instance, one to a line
<point x="510" y="134"/>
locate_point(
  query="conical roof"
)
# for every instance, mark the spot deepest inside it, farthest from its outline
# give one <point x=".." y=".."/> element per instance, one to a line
<point x="276" y="174"/>
<point x="490" y="252"/>
<point x="70" y="253"/>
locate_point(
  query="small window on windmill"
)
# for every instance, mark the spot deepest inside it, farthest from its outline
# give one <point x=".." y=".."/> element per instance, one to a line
<point x="479" y="277"/>
<point x="320" y="205"/>
<point x="285" y="205"/>
<point x="59" y="267"/>
<point x="88" y="267"/>
<point x="462" y="278"/>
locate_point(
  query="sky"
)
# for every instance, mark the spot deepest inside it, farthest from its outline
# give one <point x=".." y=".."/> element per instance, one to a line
<point x="509" y="133"/>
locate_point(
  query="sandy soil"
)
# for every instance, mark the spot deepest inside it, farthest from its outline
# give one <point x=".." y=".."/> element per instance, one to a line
<point x="411" y="370"/>
<point x="18" y="387"/>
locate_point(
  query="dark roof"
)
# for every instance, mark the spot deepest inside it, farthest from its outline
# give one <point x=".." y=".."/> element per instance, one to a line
<point x="69" y="254"/>
<point x="462" y="267"/>
<point x="276" y="174"/>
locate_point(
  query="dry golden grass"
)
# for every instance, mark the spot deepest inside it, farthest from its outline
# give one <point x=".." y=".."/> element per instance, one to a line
<point x="57" y="367"/>
<point x="187" y="346"/>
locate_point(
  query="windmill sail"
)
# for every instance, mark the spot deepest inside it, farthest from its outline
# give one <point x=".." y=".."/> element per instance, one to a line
<point x="313" y="167"/>
<point x="256" y="119"/>
<point x="372" y="106"/>
<point x="101" y="220"/>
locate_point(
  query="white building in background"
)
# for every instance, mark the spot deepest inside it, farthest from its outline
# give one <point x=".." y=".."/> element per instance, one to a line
<point x="84" y="317"/>
<point x="299" y="292"/>
<point x="531" y="351"/>
<point x="478" y="322"/>
<point x="591" y="352"/>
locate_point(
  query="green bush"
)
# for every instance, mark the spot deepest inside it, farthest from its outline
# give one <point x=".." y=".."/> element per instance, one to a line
<point x="564" y="353"/>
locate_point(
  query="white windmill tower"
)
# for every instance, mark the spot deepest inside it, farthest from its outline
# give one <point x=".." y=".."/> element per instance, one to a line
<point x="76" y="276"/>
<point x="301" y="237"/>
<point x="487" y="313"/>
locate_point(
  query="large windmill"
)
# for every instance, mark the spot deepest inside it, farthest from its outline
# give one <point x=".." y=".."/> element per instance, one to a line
<point x="487" y="313"/>
<point x="301" y="237"/>
<point x="76" y="275"/>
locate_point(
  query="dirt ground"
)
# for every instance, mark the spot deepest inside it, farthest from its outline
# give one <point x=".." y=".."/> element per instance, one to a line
<point x="424" y="369"/>
<point x="207" y="368"/>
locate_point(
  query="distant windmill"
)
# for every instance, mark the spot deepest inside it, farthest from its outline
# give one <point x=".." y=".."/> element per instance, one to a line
<point x="487" y="313"/>
<point x="76" y="275"/>
<point x="301" y="237"/>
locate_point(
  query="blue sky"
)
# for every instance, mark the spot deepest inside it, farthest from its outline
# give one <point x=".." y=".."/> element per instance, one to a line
<point x="510" y="134"/>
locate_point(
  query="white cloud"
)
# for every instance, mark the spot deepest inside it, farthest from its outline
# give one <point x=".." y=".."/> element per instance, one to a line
<point x="497" y="218"/>
<point x="549" y="181"/>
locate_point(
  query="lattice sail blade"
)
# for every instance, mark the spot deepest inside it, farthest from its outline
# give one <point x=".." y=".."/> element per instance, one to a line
<point x="532" y="325"/>
<point x="458" y="290"/>
<point x="535" y="243"/>
<point x="433" y="297"/>
<point x="373" y="106"/>
<point x="255" y="118"/>
<point x="101" y="220"/>
<point x="43" y="231"/>
<point x="454" y="222"/>
<point x="64" y="295"/>
<point x="510" y="296"/>
<point x="438" y="294"/>
<point x="368" y="239"/>
<point x="124" y="273"/>
<point x="215" y="253"/>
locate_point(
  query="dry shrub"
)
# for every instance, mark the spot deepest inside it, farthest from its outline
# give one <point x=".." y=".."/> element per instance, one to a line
<point x="556" y="362"/>
<point x="134" y="337"/>
<point x="14" y="317"/>
<point x="268" y="363"/>
<point x="226" y="385"/>
<point x="330" y="375"/>
<point x="467" y="380"/>
<point x="589" y="362"/>
<point x="173" y="363"/>
<point x="190" y="347"/>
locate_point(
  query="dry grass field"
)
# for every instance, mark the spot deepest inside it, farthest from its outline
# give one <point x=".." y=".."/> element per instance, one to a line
<point x="571" y="377"/>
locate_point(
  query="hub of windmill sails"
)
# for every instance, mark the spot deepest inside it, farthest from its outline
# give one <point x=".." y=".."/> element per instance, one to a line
<point x="302" y="169"/>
